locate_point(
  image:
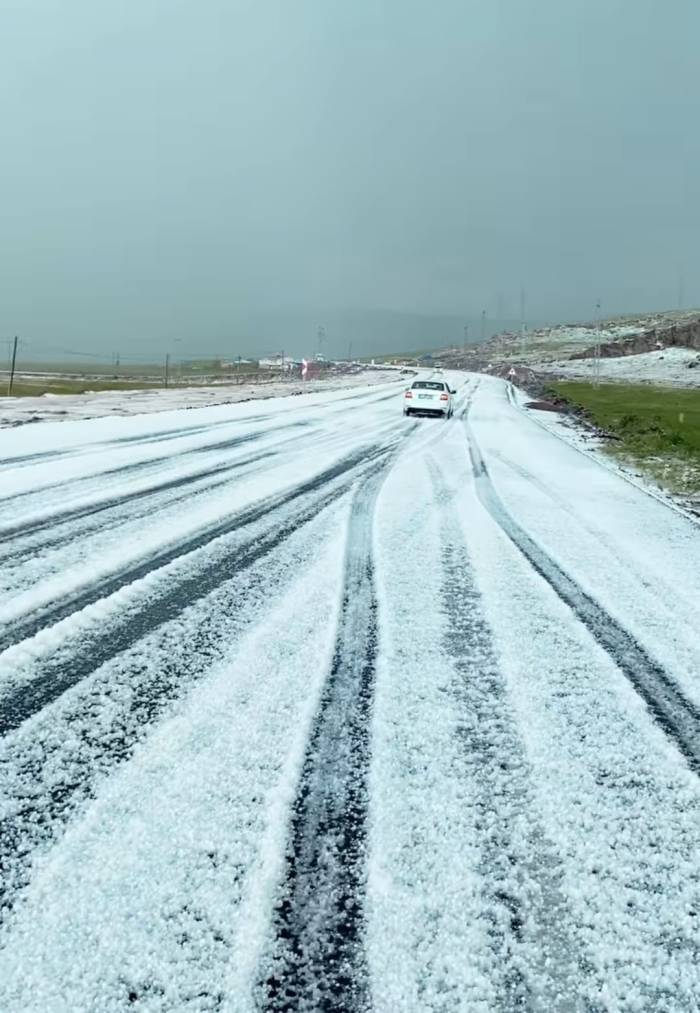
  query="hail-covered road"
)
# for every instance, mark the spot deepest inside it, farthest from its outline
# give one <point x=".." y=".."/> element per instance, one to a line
<point x="308" y="706"/>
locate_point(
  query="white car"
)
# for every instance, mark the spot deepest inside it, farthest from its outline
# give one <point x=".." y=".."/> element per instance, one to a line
<point x="429" y="397"/>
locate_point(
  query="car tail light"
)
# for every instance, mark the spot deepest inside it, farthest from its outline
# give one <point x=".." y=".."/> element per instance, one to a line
<point x="408" y="394"/>
<point x="444" y="397"/>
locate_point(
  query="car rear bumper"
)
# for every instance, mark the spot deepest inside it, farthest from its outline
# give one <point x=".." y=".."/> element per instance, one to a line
<point x="435" y="412"/>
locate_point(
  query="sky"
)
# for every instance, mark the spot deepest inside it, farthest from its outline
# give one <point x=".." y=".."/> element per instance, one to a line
<point x="225" y="176"/>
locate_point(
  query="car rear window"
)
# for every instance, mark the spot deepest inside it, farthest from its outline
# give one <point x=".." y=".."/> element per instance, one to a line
<point x="428" y="385"/>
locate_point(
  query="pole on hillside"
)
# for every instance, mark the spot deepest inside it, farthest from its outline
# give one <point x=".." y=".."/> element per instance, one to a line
<point x="483" y="325"/>
<point x="167" y="368"/>
<point x="466" y="336"/>
<point x="522" y="319"/>
<point x="596" y="360"/>
<point x="12" y="367"/>
<point x="320" y="340"/>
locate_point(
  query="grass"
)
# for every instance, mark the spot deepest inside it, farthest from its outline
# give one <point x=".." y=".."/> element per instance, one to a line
<point x="658" y="428"/>
<point x="34" y="379"/>
<point x="65" y="386"/>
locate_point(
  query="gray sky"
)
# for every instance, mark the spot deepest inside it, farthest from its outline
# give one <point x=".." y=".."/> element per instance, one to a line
<point x="228" y="174"/>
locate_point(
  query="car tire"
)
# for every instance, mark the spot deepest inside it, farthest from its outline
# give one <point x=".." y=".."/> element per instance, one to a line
<point x="407" y="411"/>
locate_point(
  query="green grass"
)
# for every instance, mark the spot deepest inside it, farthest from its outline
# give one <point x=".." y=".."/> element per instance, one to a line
<point x="61" y="378"/>
<point x="88" y="368"/>
<point x="658" y="427"/>
<point x="64" y="386"/>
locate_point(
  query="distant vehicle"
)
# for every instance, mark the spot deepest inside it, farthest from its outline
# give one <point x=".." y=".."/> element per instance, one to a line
<point x="429" y="397"/>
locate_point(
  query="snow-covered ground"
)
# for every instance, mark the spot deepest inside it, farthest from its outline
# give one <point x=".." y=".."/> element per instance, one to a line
<point x="305" y="705"/>
<point x="678" y="367"/>
<point x="97" y="404"/>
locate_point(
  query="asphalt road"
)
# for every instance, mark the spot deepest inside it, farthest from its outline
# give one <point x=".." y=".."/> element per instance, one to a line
<point x="308" y="706"/>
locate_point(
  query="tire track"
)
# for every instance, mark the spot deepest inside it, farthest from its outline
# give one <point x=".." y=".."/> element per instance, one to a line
<point x="531" y="931"/>
<point x="318" y="962"/>
<point x="66" y="753"/>
<point x="25" y="460"/>
<point x="661" y="589"/>
<point x="70" y="664"/>
<point x="126" y="470"/>
<point x="181" y="486"/>
<point x="674" y="713"/>
<point x="30" y="625"/>
<point x="126" y="506"/>
<point x="164" y="436"/>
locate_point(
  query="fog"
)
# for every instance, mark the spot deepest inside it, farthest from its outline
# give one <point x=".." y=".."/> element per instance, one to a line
<point x="227" y="176"/>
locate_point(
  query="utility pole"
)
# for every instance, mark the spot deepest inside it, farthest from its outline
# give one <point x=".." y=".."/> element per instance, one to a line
<point x="681" y="290"/>
<point x="350" y="352"/>
<point x="522" y="310"/>
<point x="483" y="325"/>
<point x="596" y="358"/>
<point x="167" y="368"/>
<point x="466" y="336"/>
<point x="12" y="367"/>
<point x="321" y="339"/>
<point x="522" y="318"/>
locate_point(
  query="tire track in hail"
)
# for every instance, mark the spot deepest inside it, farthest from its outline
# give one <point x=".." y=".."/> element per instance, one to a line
<point x="659" y="588"/>
<point x="67" y="752"/>
<point x="127" y="507"/>
<point x="531" y="931"/>
<point x="96" y="520"/>
<point x="64" y="668"/>
<point x="28" y="626"/>
<point x="122" y="471"/>
<point x="317" y="961"/>
<point x="24" y="460"/>
<point x="677" y="716"/>
<point x="21" y="460"/>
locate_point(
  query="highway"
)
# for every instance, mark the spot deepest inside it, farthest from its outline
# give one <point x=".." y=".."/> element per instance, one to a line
<point x="309" y="706"/>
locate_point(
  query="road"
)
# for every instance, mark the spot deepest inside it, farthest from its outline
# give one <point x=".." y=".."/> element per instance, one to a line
<point x="308" y="706"/>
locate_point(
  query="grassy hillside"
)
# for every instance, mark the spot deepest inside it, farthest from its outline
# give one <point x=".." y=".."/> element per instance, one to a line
<point x="658" y="427"/>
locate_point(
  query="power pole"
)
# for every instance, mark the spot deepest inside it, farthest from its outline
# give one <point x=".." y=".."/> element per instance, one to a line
<point x="167" y="368"/>
<point x="483" y="325"/>
<point x="321" y="339"/>
<point x="522" y="318"/>
<point x="596" y="357"/>
<point x="12" y="367"/>
<point x="466" y="336"/>
<point x="522" y="310"/>
<point x="350" y="352"/>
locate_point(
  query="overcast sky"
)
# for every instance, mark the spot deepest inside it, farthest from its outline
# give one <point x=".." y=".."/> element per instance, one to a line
<point x="228" y="174"/>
